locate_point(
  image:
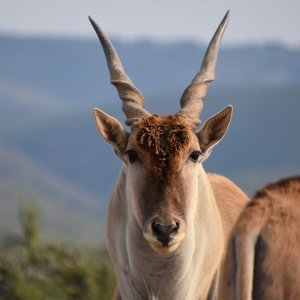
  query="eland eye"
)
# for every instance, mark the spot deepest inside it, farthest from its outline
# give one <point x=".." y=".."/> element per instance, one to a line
<point x="132" y="155"/>
<point x="195" y="156"/>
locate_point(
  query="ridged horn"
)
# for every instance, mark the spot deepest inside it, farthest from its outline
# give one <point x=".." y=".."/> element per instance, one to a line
<point x="133" y="100"/>
<point x="192" y="99"/>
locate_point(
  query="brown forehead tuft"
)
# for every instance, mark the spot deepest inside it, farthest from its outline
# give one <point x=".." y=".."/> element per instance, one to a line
<point x="163" y="138"/>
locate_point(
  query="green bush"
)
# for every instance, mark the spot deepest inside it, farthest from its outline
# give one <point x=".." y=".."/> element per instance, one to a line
<point x="31" y="271"/>
<point x="54" y="272"/>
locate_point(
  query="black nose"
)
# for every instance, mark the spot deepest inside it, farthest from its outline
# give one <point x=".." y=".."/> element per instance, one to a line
<point x="165" y="233"/>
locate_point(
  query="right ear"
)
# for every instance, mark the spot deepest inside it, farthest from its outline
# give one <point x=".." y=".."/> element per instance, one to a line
<point x="214" y="129"/>
<point x="111" y="130"/>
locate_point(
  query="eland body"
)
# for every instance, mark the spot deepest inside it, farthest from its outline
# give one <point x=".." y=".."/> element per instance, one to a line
<point x="266" y="247"/>
<point x="169" y="221"/>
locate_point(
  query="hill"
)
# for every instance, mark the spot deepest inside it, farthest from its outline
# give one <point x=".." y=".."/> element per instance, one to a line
<point x="67" y="212"/>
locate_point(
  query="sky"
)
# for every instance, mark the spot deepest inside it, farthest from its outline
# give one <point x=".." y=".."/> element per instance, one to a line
<point x="251" y="22"/>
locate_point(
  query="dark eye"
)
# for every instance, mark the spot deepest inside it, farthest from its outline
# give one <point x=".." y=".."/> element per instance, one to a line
<point x="132" y="155"/>
<point x="195" y="156"/>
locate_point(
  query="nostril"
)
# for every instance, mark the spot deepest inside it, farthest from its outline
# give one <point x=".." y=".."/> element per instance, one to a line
<point x="160" y="229"/>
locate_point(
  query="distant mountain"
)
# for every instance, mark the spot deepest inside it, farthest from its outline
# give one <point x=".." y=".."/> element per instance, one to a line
<point x="67" y="212"/>
<point x="74" y="71"/>
<point x="49" y="145"/>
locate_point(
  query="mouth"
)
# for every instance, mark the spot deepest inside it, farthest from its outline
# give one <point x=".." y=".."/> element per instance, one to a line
<point x="168" y="245"/>
<point x="164" y="249"/>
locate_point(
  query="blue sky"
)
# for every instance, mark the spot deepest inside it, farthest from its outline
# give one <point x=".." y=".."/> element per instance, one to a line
<point x="255" y="21"/>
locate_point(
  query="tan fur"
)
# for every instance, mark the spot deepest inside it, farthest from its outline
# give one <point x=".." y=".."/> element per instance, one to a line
<point x="231" y="201"/>
<point x="266" y="245"/>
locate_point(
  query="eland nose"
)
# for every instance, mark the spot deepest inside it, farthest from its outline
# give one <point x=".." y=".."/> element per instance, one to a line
<point x="165" y="233"/>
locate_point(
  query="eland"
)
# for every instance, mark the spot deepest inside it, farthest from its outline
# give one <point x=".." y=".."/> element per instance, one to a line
<point x="169" y="221"/>
<point x="266" y="244"/>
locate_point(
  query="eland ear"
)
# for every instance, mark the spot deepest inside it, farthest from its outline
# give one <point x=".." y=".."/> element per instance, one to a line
<point x="214" y="129"/>
<point x="111" y="130"/>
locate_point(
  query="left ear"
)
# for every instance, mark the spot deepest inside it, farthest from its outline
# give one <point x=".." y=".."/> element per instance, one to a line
<point x="214" y="129"/>
<point x="111" y="130"/>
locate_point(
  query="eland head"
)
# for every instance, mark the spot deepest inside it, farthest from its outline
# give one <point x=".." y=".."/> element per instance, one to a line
<point x="162" y="154"/>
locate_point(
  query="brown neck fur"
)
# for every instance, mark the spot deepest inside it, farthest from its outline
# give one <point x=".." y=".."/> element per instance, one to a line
<point x="284" y="186"/>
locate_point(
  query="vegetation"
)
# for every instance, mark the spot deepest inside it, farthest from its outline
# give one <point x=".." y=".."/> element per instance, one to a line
<point x="29" y="222"/>
<point x="34" y="271"/>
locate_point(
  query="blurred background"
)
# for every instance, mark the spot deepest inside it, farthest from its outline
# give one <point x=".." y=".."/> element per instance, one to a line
<point x="56" y="173"/>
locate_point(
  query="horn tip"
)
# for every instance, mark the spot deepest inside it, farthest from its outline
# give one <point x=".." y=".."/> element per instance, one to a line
<point x="92" y="21"/>
<point x="226" y="17"/>
<point x="94" y="24"/>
